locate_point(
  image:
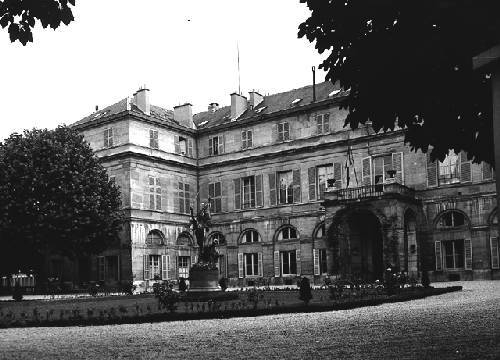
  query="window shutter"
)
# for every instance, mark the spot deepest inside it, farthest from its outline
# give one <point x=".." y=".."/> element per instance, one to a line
<point x="181" y="198"/>
<point x="280" y="131"/>
<point x="165" y="264"/>
<point x="367" y="171"/>
<point x="105" y="138"/>
<point x="210" y="148"/>
<point x="465" y="168"/>
<point x="468" y="254"/>
<point x="326" y="123"/>
<point x="439" y="260"/>
<point x="187" y="198"/>
<point x="240" y="265"/>
<point x="211" y="190"/>
<point x="286" y="131"/>
<point x="259" y="198"/>
<point x="224" y="197"/>
<point x="432" y="171"/>
<point x="177" y="144"/>
<point x="319" y="124"/>
<point x="316" y="261"/>
<point x="101" y="264"/>
<point x="337" y="174"/>
<point x="311" y="176"/>
<point x="221" y="144"/>
<point x="487" y="171"/>
<point x="495" y="261"/>
<point x="249" y="138"/>
<point x="276" y="264"/>
<point x="145" y="261"/>
<point x="297" y="259"/>
<point x="190" y="147"/>
<point x="397" y="164"/>
<point x="193" y="257"/>
<point x="260" y="264"/>
<point x="272" y="189"/>
<point x="151" y="138"/>
<point x="296" y="186"/>
<point x="237" y="194"/>
<point x="111" y="137"/>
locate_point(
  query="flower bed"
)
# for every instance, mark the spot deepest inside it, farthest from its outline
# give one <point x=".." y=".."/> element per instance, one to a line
<point x="145" y="308"/>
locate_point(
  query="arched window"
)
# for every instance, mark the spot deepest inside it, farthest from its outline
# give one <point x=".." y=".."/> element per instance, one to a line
<point x="451" y="219"/>
<point x="217" y="237"/>
<point x="155" y="238"/>
<point x="288" y="232"/>
<point x="250" y="236"/>
<point x="184" y="239"/>
<point x="320" y="231"/>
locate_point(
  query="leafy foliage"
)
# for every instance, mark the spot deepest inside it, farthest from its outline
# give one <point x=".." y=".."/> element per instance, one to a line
<point x="20" y="16"/>
<point x="410" y="63"/>
<point x="305" y="293"/>
<point x="55" y="198"/>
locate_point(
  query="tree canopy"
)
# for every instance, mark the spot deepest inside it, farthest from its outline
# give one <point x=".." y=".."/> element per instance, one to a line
<point x="20" y="16"/>
<point x="55" y="198"/>
<point x="410" y="63"/>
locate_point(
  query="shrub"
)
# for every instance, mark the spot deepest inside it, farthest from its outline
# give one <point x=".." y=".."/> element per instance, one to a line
<point x="93" y="289"/>
<point x="223" y="284"/>
<point x="305" y="290"/>
<point x="127" y="287"/>
<point x="426" y="282"/>
<point x="166" y="296"/>
<point x="17" y="295"/>
<point x="182" y="285"/>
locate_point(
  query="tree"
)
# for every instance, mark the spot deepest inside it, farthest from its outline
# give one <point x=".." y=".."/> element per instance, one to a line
<point x="21" y="16"/>
<point x="55" y="198"/>
<point x="410" y="63"/>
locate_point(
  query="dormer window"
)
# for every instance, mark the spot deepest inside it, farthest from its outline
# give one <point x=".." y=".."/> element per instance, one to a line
<point x="296" y="101"/>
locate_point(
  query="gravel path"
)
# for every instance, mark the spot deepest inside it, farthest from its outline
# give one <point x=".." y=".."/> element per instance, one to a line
<point x="460" y="325"/>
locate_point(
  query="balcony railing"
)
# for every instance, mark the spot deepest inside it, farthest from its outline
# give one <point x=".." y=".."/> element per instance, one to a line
<point x="369" y="191"/>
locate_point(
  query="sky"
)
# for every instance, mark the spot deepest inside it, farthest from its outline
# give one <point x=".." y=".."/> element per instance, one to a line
<point x="183" y="51"/>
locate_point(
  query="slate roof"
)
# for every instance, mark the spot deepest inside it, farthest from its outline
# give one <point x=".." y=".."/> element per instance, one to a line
<point x="270" y="104"/>
<point x="121" y="106"/>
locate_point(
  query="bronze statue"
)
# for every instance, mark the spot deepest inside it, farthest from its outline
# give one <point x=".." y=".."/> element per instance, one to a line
<point x="201" y="225"/>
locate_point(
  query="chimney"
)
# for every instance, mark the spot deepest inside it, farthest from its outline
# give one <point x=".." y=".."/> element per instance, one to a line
<point x="183" y="114"/>
<point x="238" y="105"/>
<point x="255" y="99"/>
<point x="141" y="100"/>
<point x="212" y="107"/>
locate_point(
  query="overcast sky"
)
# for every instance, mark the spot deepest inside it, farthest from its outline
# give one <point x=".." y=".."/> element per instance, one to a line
<point x="183" y="51"/>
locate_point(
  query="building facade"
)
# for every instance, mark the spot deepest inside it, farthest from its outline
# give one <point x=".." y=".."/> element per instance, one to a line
<point x="293" y="193"/>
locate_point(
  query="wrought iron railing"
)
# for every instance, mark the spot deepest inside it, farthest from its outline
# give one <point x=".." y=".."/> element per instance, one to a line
<point x="368" y="191"/>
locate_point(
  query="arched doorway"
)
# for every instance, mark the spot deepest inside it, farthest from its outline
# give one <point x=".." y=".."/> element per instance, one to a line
<point x="366" y="246"/>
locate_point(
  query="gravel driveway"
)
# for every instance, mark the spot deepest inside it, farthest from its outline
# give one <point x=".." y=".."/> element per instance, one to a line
<point x="459" y="325"/>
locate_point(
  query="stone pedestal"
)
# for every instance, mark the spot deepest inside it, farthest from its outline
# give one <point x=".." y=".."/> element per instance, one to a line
<point x="201" y="280"/>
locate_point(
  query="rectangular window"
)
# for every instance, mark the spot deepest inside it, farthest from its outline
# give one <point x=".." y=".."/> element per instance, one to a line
<point x="288" y="263"/>
<point x="324" y="173"/>
<point x="251" y="264"/>
<point x="216" y="145"/>
<point x="248" y="192"/>
<point x="108" y="138"/>
<point x="322" y="261"/>
<point x="154" y="193"/>
<point x="183" y="266"/>
<point x="285" y="186"/>
<point x="153" y="139"/>
<point x="449" y="169"/>
<point x="183" y="146"/>
<point x="246" y="139"/>
<point x="453" y="254"/>
<point x="323" y="123"/>
<point x="184" y="197"/>
<point x="154" y="267"/>
<point x="111" y="271"/>
<point x="283" y="131"/>
<point x="215" y="194"/>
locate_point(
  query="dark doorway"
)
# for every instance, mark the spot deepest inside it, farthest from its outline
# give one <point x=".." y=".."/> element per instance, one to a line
<point x="366" y="247"/>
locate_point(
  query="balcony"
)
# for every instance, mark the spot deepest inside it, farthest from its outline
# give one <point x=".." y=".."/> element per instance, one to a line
<point x="389" y="190"/>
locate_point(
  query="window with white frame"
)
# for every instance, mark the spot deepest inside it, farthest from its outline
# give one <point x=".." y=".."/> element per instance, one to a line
<point x="216" y="145"/>
<point x="154" y="238"/>
<point x="153" y="139"/>
<point x="287" y="233"/>
<point x="154" y="193"/>
<point x="323" y="123"/>
<point x="324" y="173"/>
<point x="449" y="169"/>
<point x="453" y="254"/>
<point x="380" y="169"/>
<point x="183" y="146"/>
<point x="246" y="139"/>
<point x="248" y="192"/>
<point x="215" y="195"/>
<point x="451" y="219"/>
<point x="183" y="264"/>
<point x="154" y="267"/>
<point x="283" y="131"/>
<point x="285" y="186"/>
<point x="217" y="238"/>
<point x="108" y="137"/>
<point x="250" y="236"/>
<point x="251" y="264"/>
<point x="288" y="262"/>
<point x="453" y="169"/>
<point x="320" y="262"/>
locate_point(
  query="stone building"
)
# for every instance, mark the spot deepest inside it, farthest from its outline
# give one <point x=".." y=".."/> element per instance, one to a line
<point x="293" y="193"/>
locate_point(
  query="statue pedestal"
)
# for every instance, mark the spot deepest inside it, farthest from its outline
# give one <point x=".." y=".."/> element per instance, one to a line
<point x="203" y="280"/>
